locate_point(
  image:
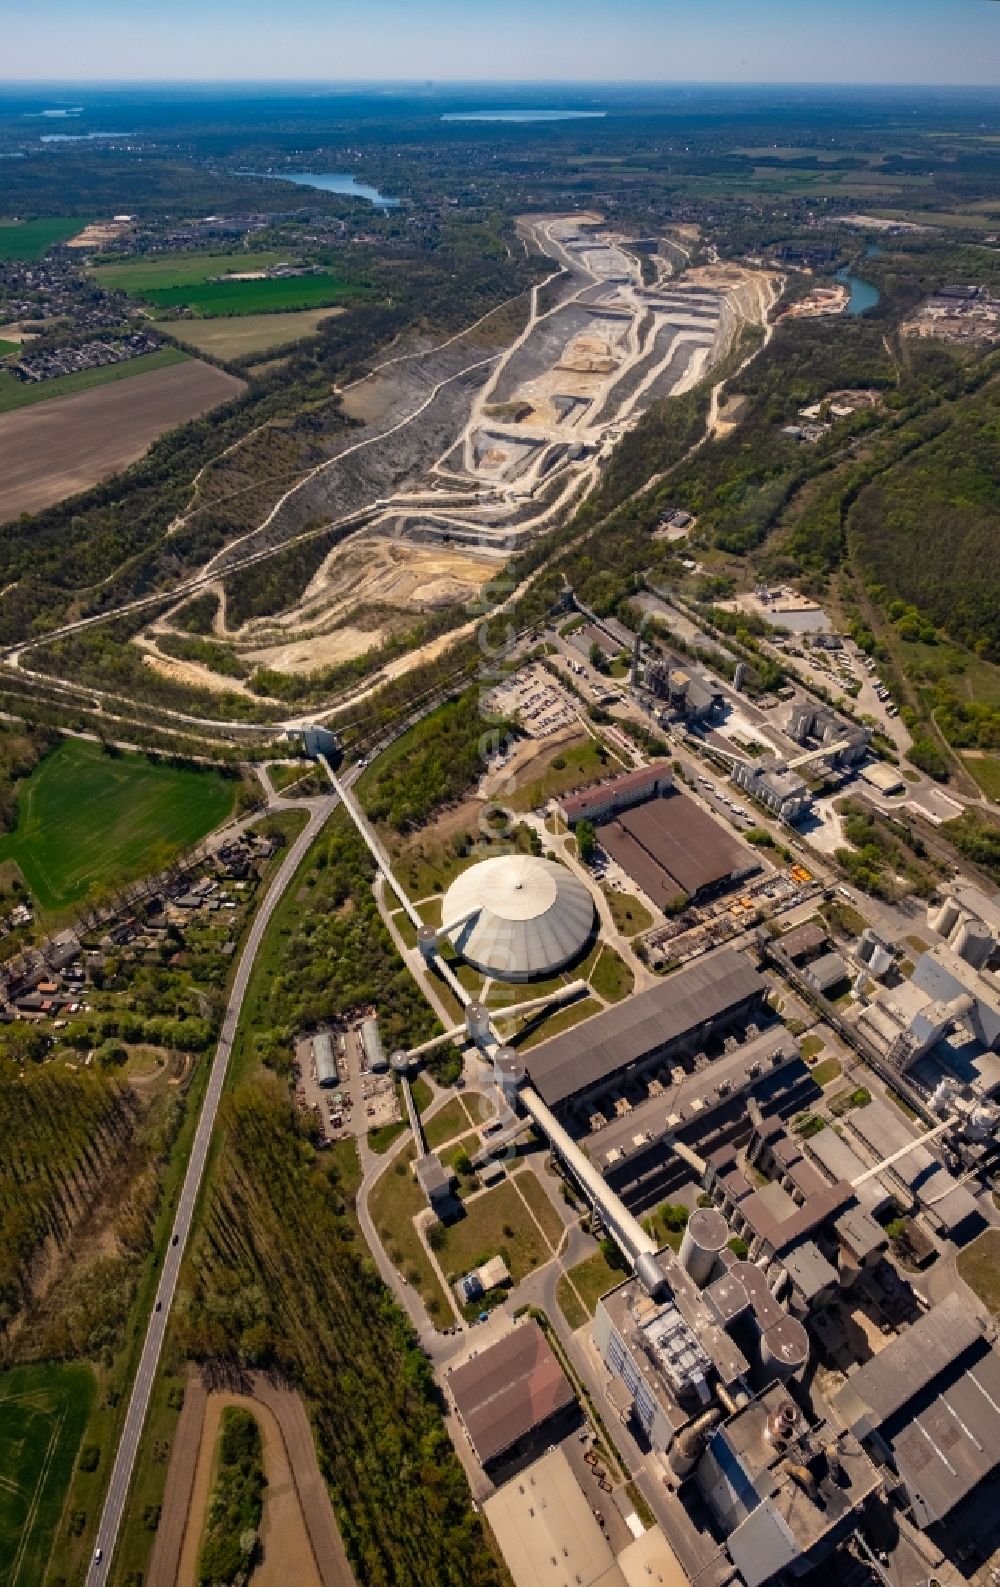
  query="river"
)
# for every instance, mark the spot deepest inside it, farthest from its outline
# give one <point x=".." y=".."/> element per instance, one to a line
<point x="331" y="182"/>
<point x="864" y="295"/>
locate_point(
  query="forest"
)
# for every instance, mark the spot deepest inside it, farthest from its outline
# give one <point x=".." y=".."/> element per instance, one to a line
<point x="59" y="1134"/>
<point x="277" y="1280"/>
<point x="926" y="532"/>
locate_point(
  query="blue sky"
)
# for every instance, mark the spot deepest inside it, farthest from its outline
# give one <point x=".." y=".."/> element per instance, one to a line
<point x="873" y="41"/>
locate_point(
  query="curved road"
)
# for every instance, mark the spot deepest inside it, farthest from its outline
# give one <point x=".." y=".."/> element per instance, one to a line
<point x="121" y="1475"/>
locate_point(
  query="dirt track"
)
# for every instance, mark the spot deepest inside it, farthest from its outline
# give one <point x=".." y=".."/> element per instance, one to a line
<point x="54" y="449"/>
<point x="309" y="1554"/>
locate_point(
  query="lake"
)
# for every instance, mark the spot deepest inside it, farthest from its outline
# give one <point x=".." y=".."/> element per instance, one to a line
<point x="80" y="137"/>
<point x="331" y="182"/>
<point x="524" y="115"/>
<point x="864" y="296"/>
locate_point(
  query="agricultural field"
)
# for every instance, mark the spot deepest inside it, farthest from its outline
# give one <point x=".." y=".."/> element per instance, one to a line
<point x="238" y="336"/>
<point x="55" y="449"/>
<point x="254" y="297"/>
<point x="137" y="276"/>
<point x="191" y="281"/>
<point x="30" y="239"/>
<point x="87" y="819"/>
<point x="6" y="347"/>
<point x="43" y="1411"/>
<point x="15" y="394"/>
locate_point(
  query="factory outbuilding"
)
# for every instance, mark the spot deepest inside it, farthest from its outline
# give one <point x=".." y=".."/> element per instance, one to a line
<point x="549" y="1537"/>
<point x="518" y="917"/>
<point x="511" y="1395"/>
<point x="928" y="1405"/>
<point x="661" y="837"/>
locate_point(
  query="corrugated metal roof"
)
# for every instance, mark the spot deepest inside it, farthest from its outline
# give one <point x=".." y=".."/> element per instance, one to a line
<point x="509" y="1389"/>
<point x="643" y="1024"/>
<point x="949" y="1447"/>
<point x="908" y="1364"/>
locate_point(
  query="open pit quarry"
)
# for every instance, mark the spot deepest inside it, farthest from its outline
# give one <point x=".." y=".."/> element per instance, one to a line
<point x="465" y="451"/>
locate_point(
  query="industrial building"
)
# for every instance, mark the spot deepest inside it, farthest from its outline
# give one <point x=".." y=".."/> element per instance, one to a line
<point x="660" y="837"/>
<point x="672" y="849"/>
<point x="689" y="696"/>
<point x="783" y="1493"/>
<point x="518" y="917"/>
<point x="371" y="1045"/>
<point x="325" y="1059"/>
<point x="928" y="1406"/>
<point x="511" y="1394"/>
<point x="549" y="1536"/>
<point x="826" y="972"/>
<point x="953" y="989"/>
<point x="635" y="1037"/>
<point x="771" y="782"/>
<point x="616" y="794"/>
<point x="812" y="724"/>
<point x="917" y="1177"/>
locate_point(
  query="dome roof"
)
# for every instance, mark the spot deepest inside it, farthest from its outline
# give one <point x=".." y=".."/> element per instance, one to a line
<point x="517" y="917"/>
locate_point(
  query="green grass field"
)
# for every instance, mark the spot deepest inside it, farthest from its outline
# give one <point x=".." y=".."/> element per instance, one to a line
<point x="87" y="819"/>
<point x="16" y="394"/>
<point x="137" y="276"/>
<point x="30" y="239"/>
<point x="253" y="297"/>
<point x="43" y="1411"/>
<point x="8" y="347"/>
<point x="986" y="771"/>
<point x="187" y="280"/>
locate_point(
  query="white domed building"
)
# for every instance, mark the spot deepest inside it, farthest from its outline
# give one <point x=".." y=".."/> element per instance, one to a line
<point x="517" y="917"/>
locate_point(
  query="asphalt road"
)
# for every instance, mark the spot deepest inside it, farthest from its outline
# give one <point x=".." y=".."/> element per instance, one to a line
<point x="121" y="1475"/>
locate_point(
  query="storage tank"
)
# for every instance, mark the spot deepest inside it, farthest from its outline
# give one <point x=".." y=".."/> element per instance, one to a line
<point x="784" y="1348"/>
<point x="942" y="917"/>
<point x="972" y="940"/>
<point x="867" y="944"/>
<point x="880" y="962"/>
<point x="477" y="1022"/>
<point x="508" y="1073"/>
<point x="704" y="1237"/>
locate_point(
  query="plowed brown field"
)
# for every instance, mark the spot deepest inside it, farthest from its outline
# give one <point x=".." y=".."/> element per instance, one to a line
<point x="54" y="449"/>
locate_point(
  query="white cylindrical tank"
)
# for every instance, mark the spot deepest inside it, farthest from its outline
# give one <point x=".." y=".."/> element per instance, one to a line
<point x="867" y="944"/>
<point x="880" y="962"/>
<point x="784" y="1348"/>
<point x="942" y="918"/>
<point x="704" y="1237"/>
<point x="972" y="940"/>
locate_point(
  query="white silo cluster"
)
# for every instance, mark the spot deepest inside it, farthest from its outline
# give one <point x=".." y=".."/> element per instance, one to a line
<point x="967" y="936"/>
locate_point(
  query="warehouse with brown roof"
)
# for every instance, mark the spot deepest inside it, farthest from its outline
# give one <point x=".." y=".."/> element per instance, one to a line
<point x="508" y="1392"/>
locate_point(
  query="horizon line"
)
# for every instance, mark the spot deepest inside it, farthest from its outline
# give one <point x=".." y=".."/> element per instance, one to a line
<point x="430" y="84"/>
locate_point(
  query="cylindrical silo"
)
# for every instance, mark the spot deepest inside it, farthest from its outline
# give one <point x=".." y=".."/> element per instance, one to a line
<point x="705" y="1236"/>
<point x="972" y="940"/>
<point x="477" y="1022"/>
<point x="942" y="918"/>
<point x="784" y="1348"/>
<point x="867" y="944"/>
<point x="508" y="1072"/>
